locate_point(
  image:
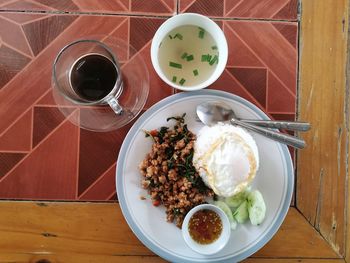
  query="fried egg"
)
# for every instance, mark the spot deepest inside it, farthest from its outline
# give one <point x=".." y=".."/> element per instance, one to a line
<point x="226" y="158"/>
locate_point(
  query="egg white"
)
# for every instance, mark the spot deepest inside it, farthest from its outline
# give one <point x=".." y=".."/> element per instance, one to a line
<point x="226" y="158"/>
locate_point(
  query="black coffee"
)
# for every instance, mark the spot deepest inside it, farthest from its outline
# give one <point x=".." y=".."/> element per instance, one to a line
<point x="93" y="77"/>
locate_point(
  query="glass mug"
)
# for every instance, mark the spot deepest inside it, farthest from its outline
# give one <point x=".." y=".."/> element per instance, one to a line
<point x="86" y="72"/>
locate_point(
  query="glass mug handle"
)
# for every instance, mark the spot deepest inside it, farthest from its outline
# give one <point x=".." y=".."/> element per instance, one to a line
<point x="114" y="104"/>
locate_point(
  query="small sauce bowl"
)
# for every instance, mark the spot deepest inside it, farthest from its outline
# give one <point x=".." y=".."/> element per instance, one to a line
<point x="216" y="245"/>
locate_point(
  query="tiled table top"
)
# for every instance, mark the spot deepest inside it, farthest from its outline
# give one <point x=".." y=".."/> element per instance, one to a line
<point x="43" y="156"/>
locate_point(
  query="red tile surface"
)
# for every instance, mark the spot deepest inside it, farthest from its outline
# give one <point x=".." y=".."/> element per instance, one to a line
<point x="241" y="55"/>
<point x="22" y="18"/>
<point x="161" y="7"/>
<point x="98" y="152"/>
<point x="8" y="160"/>
<point x="44" y="156"/>
<point x="289" y="31"/>
<point x="24" y="93"/>
<point x="101" y="6"/>
<point x="45" y="120"/>
<point x="254" y="81"/>
<point x="121" y="32"/>
<point x="102" y="188"/>
<point x="19" y="136"/>
<point x="47" y="99"/>
<point x="279" y="99"/>
<point x="13" y="36"/>
<point x="262" y="64"/>
<point x="262" y="9"/>
<point x="229" y="83"/>
<point x="113" y="197"/>
<point x="211" y="8"/>
<point x="142" y="30"/>
<point x="25" y="5"/>
<point x="40" y="33"/>
<point x="158" y="88"/>
<point x="35" y="178"/>
<point x="12" y="62"/>
<point x="59" y="5"/>
<point x="270" y="47"/>
<point x="288" y="11"/>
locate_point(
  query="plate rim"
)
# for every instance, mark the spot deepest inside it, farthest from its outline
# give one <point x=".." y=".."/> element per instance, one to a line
<point x="122" y="201"/>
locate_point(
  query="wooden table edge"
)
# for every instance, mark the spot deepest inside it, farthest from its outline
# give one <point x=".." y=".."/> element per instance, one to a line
<point x="78" y="231"/>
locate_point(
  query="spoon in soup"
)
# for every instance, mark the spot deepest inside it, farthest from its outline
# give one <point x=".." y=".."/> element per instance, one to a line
<point x="211" y="113"/>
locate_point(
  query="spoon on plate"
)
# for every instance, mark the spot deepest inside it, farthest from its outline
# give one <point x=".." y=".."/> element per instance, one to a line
<point x="211" y="113"/>
<point x="284" y="125"/>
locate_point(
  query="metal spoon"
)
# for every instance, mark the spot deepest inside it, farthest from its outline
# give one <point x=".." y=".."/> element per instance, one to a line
<point x="285" y="125"/>
<point x="211" y="113"/>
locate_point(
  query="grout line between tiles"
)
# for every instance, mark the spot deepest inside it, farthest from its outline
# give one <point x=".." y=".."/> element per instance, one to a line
<point x="78" y="159"/>
<point x="14" y="151"/>
<point x="52" y="200"/>
<point x="57" y="106"/>
<point x="297" y="105"/>
<point x="282" y="112"/>
<point x="223" y="8"/>
<point x="267" y="91"/>
<point x="31" y="127"/>
<point x="128" y="51"/>
<point x="247" y="67"/>
<point x="86" y="13"/>
<point x="144" y="15"/>
<point x="299" y="9"/>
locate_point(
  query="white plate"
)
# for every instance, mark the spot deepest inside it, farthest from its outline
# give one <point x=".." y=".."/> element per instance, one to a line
<point x="274" y="179"/>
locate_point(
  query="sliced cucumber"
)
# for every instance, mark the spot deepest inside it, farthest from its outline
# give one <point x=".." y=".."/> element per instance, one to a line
<point x="256" y="207"/>
<point x="224" y="208"/>
<point x="235" y="200"/>
<point x="228" y="212"/>
<point x="241" y="214"/>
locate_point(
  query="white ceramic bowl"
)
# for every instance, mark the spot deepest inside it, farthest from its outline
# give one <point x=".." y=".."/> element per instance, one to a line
<point x="218" y="244"/>
<point x="196" y="20"/>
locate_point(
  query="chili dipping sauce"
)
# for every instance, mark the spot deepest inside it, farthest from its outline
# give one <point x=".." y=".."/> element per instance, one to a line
<point x="205" y="226"/>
